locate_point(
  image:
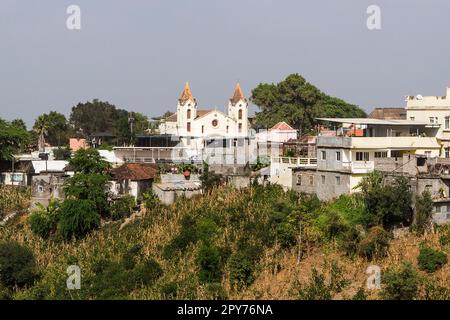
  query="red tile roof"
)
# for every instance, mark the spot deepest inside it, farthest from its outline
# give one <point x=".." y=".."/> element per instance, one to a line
<point x="135" y="171"/>
<point x="282" y="126"/>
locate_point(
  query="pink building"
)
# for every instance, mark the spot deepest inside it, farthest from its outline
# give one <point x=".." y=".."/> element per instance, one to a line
<point x="281" y="132"/>
<point x="77" y="144"/>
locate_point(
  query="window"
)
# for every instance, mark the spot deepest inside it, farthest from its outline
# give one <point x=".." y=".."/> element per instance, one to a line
<point x="412" y="118"/>
<point x="338" y="156"/>
<point x="215" y="123"/>
<point x="299" y="180"/>
<point x="323" y="179"/>
<point x="240" y="127"/>
<point x="447" y="122"/>
<point x="16" y="177"/>
<point x="240" y="114"/>
<point x="428" y="188"/>
<point x="447" y="152"/>
<point x="323" y="155"/>
<point x="188" y="127"/>
<point x="203" y="129"/>
<point x="338" y="180"/>
<point x="311" y="180"/>
<point x="433" y="120"/>
<point x="362" y="156"/>
<point x="380" y="154"/>
<point x="189" y="113"/>
<point x="428" y="154"/>
<point x="227" y="128"/>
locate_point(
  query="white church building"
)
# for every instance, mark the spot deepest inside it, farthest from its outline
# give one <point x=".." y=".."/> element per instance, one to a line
<point x="204" y="133"/>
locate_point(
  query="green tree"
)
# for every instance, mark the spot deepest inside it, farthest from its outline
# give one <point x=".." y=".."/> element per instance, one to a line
<point x="297" y="102"/>
<point x="41" y="126"/>
<point x="17" y="265"/>
<point x="12" y="139"/>
<point x="98" y="116"/>
<point x="87" y="161"/>
<point x="90" y="181"/>
<point x="19" y="123"/>
<point x="54" y="127"/>
<point x="44" y="220"/>
<point x="386" y="204"/>
<point x="209" y="179"/>
<point x="400" y="283"/>
<point x="78" y="218"/>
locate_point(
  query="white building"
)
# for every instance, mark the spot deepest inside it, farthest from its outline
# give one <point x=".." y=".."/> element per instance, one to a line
<point x="197" y="129"/>
<point x="434" y="110"/>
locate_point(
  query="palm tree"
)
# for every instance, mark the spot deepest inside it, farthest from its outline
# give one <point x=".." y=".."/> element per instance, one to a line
<point x="41" y="127"/>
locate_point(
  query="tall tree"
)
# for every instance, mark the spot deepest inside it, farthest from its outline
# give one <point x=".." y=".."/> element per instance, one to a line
<point x="53" y="127"/>
<point x="41" y="128"/>
<point x="297" y="102"/>
<point x="12" y="139"/>
<point x="98" y="116"/>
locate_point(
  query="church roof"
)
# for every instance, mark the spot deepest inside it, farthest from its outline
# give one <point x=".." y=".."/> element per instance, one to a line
<point x="186" y="94"/>
<point x="200" y="113"/>
<point x="238" y="94"/>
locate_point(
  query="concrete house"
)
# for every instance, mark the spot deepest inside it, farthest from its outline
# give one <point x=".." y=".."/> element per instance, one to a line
<point x="132" y="179"/>
<point x="16" y="173"/>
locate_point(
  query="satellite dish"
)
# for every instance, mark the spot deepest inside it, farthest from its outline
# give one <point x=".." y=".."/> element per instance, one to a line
<point x="419" y="97"/>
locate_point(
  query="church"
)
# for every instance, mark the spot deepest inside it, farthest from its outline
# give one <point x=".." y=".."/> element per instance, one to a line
<point x="196" y="128"/>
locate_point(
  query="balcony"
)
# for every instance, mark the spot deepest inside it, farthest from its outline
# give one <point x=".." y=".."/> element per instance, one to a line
<point x="401" y="142"/>
<point x="362" y="167"/>
<point x="295" y="162"/>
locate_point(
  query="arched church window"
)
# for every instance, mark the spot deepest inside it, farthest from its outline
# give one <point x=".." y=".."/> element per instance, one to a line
<point x="189" y="113"/>
<point x="240" y="114"/>
<point x="215" y="123"/>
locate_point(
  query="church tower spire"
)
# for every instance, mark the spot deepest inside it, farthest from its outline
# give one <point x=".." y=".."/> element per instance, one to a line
<point x="238" y="110"/>
<point x="238" y="95"/>
<point x="186" y="95"/>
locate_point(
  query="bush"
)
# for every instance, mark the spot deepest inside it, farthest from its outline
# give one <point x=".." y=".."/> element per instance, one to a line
<point x="44" y="220"/>
<point x="208" y="259"/>
<point x="444" y="238"/>
<point x="400" y="283"/>
<point x="243" y="264"/>
<point x="375" y="244"/>
<point x="17" y="265"/>
<point x="62" y="153"/>
<point x="319" y="288"/>
<point x="188" y="235"/>
<point x="122" y="207"/>
<point x="78" y="218"/>
<point x="151" y="200"/>
<point x="430" y="260"/>
<point x="360" y="294"/>
<point x="424" y="212"/>
<point x="350" y="241"/>
<point x="147" y="272"/>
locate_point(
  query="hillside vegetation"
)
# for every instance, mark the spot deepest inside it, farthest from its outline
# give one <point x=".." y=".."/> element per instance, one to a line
<point x="255" y="243"/>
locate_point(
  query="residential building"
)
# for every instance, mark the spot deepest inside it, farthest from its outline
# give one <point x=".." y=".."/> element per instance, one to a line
<point x="132" y="179"/>
<point x="434" y="110"/>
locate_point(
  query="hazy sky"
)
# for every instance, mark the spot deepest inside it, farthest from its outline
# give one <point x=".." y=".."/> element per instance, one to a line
<point x="138" y="54"/>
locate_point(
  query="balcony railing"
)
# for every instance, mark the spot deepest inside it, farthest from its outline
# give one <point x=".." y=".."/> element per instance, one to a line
<point x="359" y="166"/>
<point x="293" y="161"/>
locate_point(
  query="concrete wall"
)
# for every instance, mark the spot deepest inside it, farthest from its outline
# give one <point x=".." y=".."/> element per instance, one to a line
<point x="328" y="186"/>
<point x="304" y="181"/>
<point x="45" y="186"/>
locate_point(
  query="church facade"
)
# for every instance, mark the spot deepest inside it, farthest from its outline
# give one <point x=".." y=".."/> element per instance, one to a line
<point x="197" y="128"/>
